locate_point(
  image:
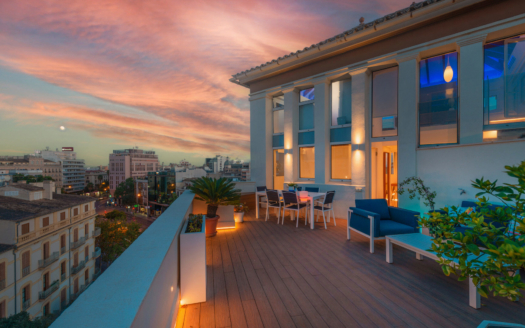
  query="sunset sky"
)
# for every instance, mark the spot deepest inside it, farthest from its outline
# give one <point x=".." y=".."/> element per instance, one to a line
<point x="152" y="74"/>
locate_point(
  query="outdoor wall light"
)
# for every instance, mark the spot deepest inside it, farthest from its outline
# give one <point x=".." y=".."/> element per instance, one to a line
<point x="288" y="151"/>
<point x="358" y="147"/>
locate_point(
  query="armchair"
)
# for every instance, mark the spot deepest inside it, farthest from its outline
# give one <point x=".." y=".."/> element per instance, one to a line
<point x="374" y="219"/>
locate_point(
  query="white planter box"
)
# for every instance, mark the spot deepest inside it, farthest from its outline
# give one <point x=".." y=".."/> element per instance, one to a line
<point x="193" y="265"/>
<point x="238" y="216"/>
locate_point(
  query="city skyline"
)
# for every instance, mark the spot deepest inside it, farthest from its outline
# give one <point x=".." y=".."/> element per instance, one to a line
<point x="152" y="76"/>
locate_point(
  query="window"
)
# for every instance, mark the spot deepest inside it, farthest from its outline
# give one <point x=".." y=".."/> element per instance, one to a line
<point x="63" y="297"/>
<point x="86" y="230"/>
<point x="2" y="276"/>
<point x="75" y="260"/>
<point x="45" y="281"/>
<point x="75" y="235"/>
<point x="45" y="247"/>
<point x="86" y="208"/>
<point x="75" y="211"/>
<point x="341" y="99"/>
<point x="45" y="222"/>
<point x="45" y="309"/>
<point x="278" y="122"/>
<point x="3" y="313"/>
<point x="62" y="216"/>
<point x="341" y="158"/>
<point x="63" y="268"/>
<point x="26" y="293"/>
<point x="37" y="195"/>
<point x="307" y="162"/>
<point x="75" y="289"/>
<point x="306" y="95"/>
<point x="86" y="275"/>
<point x="62" y="243"/>
<point x="25" y="228"/>
<point x="504" y="88"/>
<point x="86" y="253"/>
<point x="278" y="168"/>
<point x="26" y="258"/>
<point x="278" y="101"/>
<point x="384" y="102"/>
<point x="438" y="96"/>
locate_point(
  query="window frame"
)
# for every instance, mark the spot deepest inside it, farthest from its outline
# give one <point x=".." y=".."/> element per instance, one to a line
<point x="382" y="138"/>
<point x="299" y="162"/>
<point x="418" y="127"/>
<point x="330" y="100"/>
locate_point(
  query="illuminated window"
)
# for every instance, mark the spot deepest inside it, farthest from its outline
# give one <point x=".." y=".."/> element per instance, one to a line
<point x="306" y="162"/>
<point x="278" y="169"/>
<point x="384" y="102"/>
<point x="306" y="95"/>
<point x="438" y="95"/>
<point x="341" y="162"/>
<point x="504" y="85"/>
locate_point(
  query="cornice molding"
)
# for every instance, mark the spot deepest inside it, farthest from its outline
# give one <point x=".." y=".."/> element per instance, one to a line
<point x="472" y="40"/>
<point x="407" y="57"/>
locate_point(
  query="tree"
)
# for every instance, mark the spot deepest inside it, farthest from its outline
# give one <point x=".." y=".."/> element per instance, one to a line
<point x="100" y="177"/>
<point x="47" y="177"/>
<point x="126" y="190"/>
<point x="22" y="320"/>
<point x="30" y="179"/>
<point x="116" y="235"/>
<point x="18" y="176"/>
<point x="116" y="215"/>
<point x="491" y="248"/>
<point x="89" y="187"/>
<point x="416" y="188"/>
<point x="167" y="198"/>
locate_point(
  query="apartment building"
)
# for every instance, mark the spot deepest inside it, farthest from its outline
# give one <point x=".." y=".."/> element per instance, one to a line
<point x="216" y="164"/>
<point x="237" y="170"/>
<point x="47" y="248"/>
<point x="130" y="163"/>
<point x="73" y="168"/>
<point x="32" y="165"/>
<point x="435" y="90"/>
<point x="96" y="177"/>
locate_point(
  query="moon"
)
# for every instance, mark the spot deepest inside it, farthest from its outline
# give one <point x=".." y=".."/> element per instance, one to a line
<point x="62" y="127"/>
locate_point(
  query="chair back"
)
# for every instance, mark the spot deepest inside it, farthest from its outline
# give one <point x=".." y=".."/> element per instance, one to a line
<point x="289" y="198"/>
<point x="261" y="188"/>
<point x="312" y="189"/>
<point x="272" y="196"/>
<point x="299" y="188"/>
<point x="329" y="198"/>
<point x="379" y="206"/>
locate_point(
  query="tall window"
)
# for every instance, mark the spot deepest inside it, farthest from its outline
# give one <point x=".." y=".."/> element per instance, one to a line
<point x="86" y="230"/>
<point x="307" y="162"/>
<point x="278" y="168"/>
<point x="306" y="136"/>
<point x="278" y="121"/>
<point x="341" y="130"/>
<point x="62" y="216"/>
<point x="384" y="102"/>
<point x="2" y="276"/>
<point x="45" y="221"/>
<point x="25" y="228"/>
<point x="26" y="266"/>
<point x="438" y="96"/>
<point x="504" y="89"/>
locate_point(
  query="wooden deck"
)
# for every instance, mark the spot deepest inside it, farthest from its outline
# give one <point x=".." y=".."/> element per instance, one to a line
<point x="266" y="275"/>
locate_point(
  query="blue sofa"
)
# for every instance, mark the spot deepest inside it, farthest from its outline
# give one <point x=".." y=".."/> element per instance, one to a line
<point x="467" y="203"/>
<point x="375" y="219"/>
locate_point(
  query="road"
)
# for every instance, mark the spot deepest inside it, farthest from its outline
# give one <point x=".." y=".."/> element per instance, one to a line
<point x="101" y="209"/>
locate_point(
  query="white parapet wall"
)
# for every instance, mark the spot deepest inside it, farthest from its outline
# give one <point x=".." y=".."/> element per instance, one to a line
<point x="140" y="289"/>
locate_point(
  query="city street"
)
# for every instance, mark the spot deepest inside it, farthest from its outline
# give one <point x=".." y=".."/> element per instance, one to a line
<point x="102" y="208"/>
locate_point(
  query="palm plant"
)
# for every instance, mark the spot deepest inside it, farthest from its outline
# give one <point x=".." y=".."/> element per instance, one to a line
<point x="215" y="192"/>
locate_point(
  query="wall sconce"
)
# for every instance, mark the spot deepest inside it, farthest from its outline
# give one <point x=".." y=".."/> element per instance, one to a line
<point x="288" y="151"/>
<point x="358" y="147"/>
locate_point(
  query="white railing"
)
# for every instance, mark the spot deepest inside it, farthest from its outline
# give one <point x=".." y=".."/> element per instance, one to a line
<point x="155" y="300"/>
<point x="80" y="266"/>
<point x="50" y="290"/>
<point x="25" y="271"/>
<point x="96" y="232"/>
<point x="26" y="305"/>
<point x="45" y="262"/>
<point x="97" y="252"/>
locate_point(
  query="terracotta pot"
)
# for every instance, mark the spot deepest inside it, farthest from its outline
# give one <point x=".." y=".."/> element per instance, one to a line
<point x="211" y="226"/>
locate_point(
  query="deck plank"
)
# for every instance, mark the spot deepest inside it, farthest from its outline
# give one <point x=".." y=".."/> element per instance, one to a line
<point x="222" y="310"/>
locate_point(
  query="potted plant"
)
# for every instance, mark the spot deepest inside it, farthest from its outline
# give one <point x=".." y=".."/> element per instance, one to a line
<point x="416" y="188"/>
<point x="488" y="243"/>
<point x="238" y="212"/>
<point x="292" y="186"/>
<point x="193" y="260"/>
<point x="214" y="192"/>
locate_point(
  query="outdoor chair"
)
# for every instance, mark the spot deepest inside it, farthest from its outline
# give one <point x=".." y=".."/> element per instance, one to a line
<point x="374" y="219"/>
<point x="261" y="200"/>
<point x="292" y="204"/>
<point x="326" y="206"/>
<point x="274" y="201"/>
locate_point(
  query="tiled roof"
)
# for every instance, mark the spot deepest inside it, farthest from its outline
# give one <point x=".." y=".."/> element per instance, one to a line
<point x="26" y="187"/>
<point x="414" y="6"/>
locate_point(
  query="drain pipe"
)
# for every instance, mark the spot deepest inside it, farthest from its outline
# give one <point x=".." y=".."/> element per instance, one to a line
<point x="14" y="255"/>
<point x="69" y="254"/>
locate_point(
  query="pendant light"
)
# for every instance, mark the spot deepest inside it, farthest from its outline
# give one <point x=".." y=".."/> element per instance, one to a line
<point x="448" y="75"/>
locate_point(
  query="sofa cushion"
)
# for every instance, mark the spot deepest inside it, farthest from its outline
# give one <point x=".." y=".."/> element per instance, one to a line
<point x="378" y="206"/>
<point x="389" y="227"/>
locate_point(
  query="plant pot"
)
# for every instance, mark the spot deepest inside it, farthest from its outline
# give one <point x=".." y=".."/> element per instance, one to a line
<point x="211" y="226"/>
<point x="238" y="216"/>
<point x="193" y="265"/>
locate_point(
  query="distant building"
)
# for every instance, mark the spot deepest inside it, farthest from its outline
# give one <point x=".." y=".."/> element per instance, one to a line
<point x="185" y="174"/>
<point x="130" y="163"/>
<point x="73" y="169"/>
<point x="216" y="164"/>
<point x="96" y="177"/>
<point x="236" y="170"/>
<point x="47" y="248"/>
<point x="32" y="165"/>
<point x="159" y="183"/>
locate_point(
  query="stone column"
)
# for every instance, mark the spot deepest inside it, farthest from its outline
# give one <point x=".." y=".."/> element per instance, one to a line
<point x="322" y="130"/>
<point x="291" y="126"/>
<point x="471" y="89"/>
<point x="408" y="98"/>
<point x="360" y="86"/>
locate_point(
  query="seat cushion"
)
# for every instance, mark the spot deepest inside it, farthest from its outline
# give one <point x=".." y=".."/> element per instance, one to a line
<point x="378" y="206"/>
<point x="389" y="227"/>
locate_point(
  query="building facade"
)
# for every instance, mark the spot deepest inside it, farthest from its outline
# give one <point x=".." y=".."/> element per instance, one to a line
<point x="434" y="90"/>
<point x="96" y="177"/>
<point x="47" y="248"/>
<point x="73" y="169"/>
<point x="32" y="165"/>
<point x="216" y="164"/>
<point x="130" y="163"/>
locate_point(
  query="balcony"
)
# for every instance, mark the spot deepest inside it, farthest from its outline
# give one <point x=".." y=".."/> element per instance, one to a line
<point x="46" y="262"/>
<point x="96" y="232"/>
<point x="2" y="284"/>
<point x="26" y="271"/>
<point x="74" y="296"/>
<point x="26" y="305"/>
<point x="47" y="229"/>
<point x="26" y="237"/>
<point x="78" y="243"/>
<point x="62" y="250"/>
<point x="62" y="277"/>
<point x="89" y="213"/>
<point x="96" y="253"/>
<point x="50" y="290"/>
<point x="76" y="269"/>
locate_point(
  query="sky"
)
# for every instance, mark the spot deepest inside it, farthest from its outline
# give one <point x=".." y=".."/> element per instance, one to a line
<point x="152" y="73"/>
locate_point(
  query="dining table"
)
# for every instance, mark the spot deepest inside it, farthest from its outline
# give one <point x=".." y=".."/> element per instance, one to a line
<point x="310" y="198"/>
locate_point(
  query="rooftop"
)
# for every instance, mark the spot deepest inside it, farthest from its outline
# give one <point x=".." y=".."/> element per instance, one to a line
<point x="14" y="209"/>
<point x="25" y="186"/>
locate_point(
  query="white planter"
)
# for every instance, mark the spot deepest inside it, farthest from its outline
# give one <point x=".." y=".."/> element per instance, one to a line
<point x="238" y="216"/>
<point x="193" y="265"/>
